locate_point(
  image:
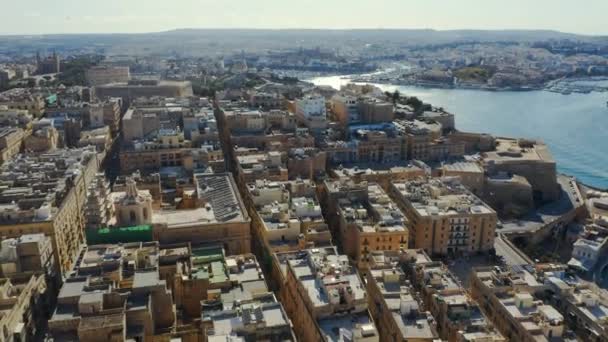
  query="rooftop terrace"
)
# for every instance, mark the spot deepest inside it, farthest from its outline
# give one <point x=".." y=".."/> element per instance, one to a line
<point x="445" y="196"/>
<point x="33" y="187"/>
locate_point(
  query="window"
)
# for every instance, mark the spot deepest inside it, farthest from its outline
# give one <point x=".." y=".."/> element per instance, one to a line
<point x="132" y="216"/>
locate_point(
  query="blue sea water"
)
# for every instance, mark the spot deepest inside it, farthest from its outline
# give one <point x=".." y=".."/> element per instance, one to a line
<point x="574" y="126"/>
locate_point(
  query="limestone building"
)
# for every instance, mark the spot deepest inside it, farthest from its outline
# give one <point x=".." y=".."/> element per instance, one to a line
<point x="23" y="314"/>
<point x="219" y="218"/>
<point x="133" y="207"/>
<point x="458" y="316"/>
<point x="142" y="88"/>
<point x="23" y="99"/>
<point x="512" y="306"/>
<point x="306" y="163"/>
<point x="289" y="214"/>
<point x="46" y="194"/>
<point x="11" y="140"/>
<point x="48" y="65"/>
<point x="26" y="255"/>
<point x="325" y="298"/>
<point x="425" y="141"/>
<point x="100" y="75"/>
<point x="470" y="173"/>
<point x="397" y="308"/>
<point x="529" y="159"/>
<point x="541" y="302"/>
<point x="270" y="166"/>
<point x="44" y="138"/>
<point x="113" y="294"/>
<point x="445" y="218"/>
<point x="367" y="220"/>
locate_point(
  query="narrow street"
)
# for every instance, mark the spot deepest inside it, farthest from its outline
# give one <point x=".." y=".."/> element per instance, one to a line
<point x="509" y="255"/>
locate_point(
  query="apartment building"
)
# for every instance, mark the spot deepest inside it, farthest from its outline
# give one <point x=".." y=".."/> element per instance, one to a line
<point x="397" y="308"/>
<point x="265" y="100"/>
<point x="270" y="166"/>
<point x="367" y="221"/>
<point x="349" y="109"/>
<point x="509" y="300"/>
<point x="109" y="111"/>
<point x="310" y="111"/>
<point x="458" y="316"/>
<point x="445" y="218"/>
<point x="325" y="297"/>
<point x="47" y="193"/>
<point x="470" y="173"/>
<point x="306" y="163"/>
<point x="260" y="318"/>
<point x="378" y="146"/>
<point x="590" y="245"/>
<point x="24" y="309"/>
<point x="11" y="140"/>
<point x="274" y="130"/>
<point x="425" y="141"/>
<point x="23" y="99"/>
<point x="381" y="174"/>
<point x="114" y="293"/>
<point x="29" y="254"/>
<point x="15" y="117"/>
<point x="289" y="213"/>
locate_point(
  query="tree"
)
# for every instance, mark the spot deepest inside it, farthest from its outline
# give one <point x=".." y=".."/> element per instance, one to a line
<point x="414" y="102"/>
<point x="396" y="96"/>
<point x="74" y="70"/>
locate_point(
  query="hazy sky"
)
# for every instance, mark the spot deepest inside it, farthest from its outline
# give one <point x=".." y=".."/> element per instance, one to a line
<point x="100" y="16"/>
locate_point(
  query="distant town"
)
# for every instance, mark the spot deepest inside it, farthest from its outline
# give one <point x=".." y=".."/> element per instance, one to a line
<point x="222" y="196"/>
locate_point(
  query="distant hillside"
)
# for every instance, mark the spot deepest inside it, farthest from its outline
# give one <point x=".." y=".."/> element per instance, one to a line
<point x="223" y="41"/>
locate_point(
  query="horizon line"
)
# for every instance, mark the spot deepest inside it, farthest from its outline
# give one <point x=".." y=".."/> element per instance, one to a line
<point x="595" y="35"/>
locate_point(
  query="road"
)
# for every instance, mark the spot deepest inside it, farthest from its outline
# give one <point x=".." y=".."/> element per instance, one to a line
<point x="569" y="199"/>
<point x="510" y="256"/>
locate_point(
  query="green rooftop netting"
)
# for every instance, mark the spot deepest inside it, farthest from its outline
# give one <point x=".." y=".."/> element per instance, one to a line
<point x="141" y="233"/>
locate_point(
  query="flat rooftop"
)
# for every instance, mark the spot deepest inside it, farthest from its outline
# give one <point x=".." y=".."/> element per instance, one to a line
<point x="418" y="127"/>
<point x="441" y="196"/>
<point x="32" y="187"/>
<point x="437" y="276"/>
<point x="514" y="150"/>
<point x="348" y="327"/>
<point x="400" y="299"/>
<point x="349" y="170"/>
<point x="285" y="205"/>
<point x="377" y="213"/>
<point x="264" y="312"/>
<point x="322" y="274"/>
